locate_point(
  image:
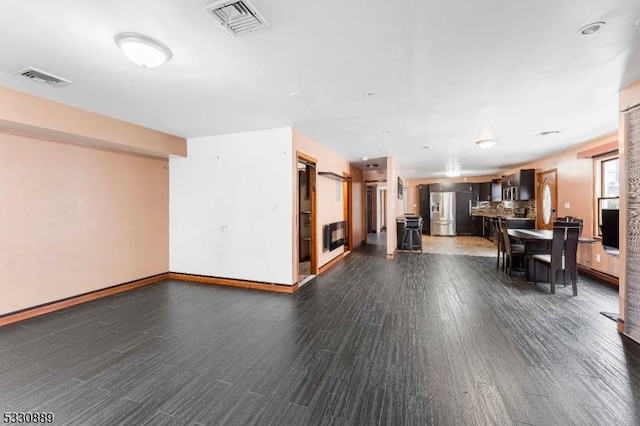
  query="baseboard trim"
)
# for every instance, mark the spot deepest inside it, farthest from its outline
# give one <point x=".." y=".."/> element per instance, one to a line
<point x="278" y="288"/>
<point x="46" y="308"/>
<point x="330" y="264"/>
<point x="600" y="275"/>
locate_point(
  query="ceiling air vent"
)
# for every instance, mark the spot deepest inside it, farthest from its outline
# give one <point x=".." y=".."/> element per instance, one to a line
<point x="42" y="77"/>
<point x="239" y="17"/>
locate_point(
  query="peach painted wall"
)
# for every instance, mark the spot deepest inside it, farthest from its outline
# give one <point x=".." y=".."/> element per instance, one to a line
<point x="329" y="204"/>
<point x="394" y="206"/>
<point x="576" y="186"/>
<point x="52" y="120"/>
<point x="77" y="219"/>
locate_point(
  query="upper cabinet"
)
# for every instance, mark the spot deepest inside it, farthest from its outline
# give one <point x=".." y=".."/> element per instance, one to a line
<point x="484" y="191"/>
<point x="496" y="190"/>
<point x="441" y="187"/>
<point x="521" y="184"/>
<point x="527" y="184"/>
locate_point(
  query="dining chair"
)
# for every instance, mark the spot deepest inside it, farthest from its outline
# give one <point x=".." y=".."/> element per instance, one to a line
<point x="511" y="250"/>
<point x="563" y="257"/>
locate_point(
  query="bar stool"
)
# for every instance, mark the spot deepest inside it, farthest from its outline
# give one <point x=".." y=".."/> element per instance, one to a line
<point x="413" y="229"/>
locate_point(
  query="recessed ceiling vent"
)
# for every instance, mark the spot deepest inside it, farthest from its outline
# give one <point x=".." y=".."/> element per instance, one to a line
<point x="239" y="17"/>
<point x="43" y="77"/>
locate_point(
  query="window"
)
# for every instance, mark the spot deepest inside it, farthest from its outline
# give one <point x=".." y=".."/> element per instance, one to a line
<point x="607" y="187"/>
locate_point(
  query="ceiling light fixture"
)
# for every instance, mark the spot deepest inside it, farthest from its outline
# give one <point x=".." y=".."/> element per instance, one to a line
<point x="296" y="95"/>
<point x="364" y="158"/>
<point x="370" y="94"/>
<point x="427" y="147"/>
<point x="142" y="50"/>
<point x="452" y="173"/>
<point x="549" y="132"/>
<point x="386" y="132"/>
<point x="487" y="139"/>
<point x="591" y="28"/>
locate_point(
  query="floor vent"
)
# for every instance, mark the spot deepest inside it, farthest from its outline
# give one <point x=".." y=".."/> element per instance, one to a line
<point x="239" y="17"/>
<point x="43" y="77"/>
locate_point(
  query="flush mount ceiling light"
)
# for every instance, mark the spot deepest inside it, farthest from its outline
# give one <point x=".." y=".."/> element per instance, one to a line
<point x="142" y="50"/>
<point x="549" y="133"/>
<point x="452" y="173"/>
<point x="487" y="139"/>
<point x="591" y="28"/>
<point x="370" y="94"/>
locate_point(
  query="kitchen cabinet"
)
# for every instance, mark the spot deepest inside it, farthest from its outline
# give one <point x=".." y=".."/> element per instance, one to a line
<point x="473" y="188"/>
<point x="441" y="187"/>
<point x="523" y="182"/>
<point x="484" y="191"/>
<point x="496" y="190"/>
<point x="425" y="208"/>
<point x="464" y="220"/>
<point x="478" y="226"/>
<point x="527" y="184"/>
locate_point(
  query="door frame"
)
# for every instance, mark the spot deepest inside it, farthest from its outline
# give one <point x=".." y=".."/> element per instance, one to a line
<point x="303" y="158"/>
<point x="539" y="222"/>
<point x="347" y="207"/>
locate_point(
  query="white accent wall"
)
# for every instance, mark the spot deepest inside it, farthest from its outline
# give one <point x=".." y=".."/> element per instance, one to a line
<point x="231" y="209"/>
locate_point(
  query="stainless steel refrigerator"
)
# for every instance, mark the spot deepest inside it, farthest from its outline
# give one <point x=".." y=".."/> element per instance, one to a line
<point x="443" y="213"/>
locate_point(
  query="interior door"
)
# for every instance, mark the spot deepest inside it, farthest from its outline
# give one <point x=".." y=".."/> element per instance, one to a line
<point x="546" y="199"/>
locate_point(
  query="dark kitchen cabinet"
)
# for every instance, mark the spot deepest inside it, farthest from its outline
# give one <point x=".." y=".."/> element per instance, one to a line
<point x="425" y="200"/>
<point x="523" y="182"/>
<point x="441" y="187"/>
<point x="484" y="191"/>
<point x="473" y="188"/>
<point x="478" y="226"/>
<point x="496" y="190"/>
<point x="464" y="220"/>
<point x="527" y="184"/>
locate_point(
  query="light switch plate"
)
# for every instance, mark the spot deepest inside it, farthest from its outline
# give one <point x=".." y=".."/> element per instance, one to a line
<point x="567" y="205"/>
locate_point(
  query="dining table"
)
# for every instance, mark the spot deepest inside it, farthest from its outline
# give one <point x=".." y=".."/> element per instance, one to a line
<point x="537" y="241"/>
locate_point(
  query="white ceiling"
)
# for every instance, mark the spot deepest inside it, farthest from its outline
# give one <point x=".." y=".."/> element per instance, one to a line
<point x="442" y="70"/>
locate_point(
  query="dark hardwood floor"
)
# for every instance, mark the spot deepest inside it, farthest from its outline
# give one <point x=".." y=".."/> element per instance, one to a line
<point x="424" y="339"/>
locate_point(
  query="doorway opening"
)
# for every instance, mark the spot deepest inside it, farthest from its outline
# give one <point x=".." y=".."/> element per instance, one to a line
<point x="375" y="212"/>
<point x="306" y="173"/>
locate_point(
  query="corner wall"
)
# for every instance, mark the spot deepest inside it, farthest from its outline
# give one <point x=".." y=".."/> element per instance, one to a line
<point x="329" y="203"/>
<point x="82" y="208"/>
<point x="231" y="207"/>
<point x="77" y="219"/>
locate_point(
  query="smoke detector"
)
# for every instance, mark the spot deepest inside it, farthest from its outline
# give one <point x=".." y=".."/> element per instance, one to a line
<point x="42" y="77"/>
<point x="238" y="17"/>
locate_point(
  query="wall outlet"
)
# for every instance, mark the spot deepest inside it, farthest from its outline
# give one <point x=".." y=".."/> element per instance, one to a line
<point x="567" y="205"/>
<point x="598" y="258"/>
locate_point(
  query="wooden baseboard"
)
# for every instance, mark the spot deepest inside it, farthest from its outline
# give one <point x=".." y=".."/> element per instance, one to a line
<point x="279" y="288"/>
<point x="330" y="264"/>
<point x="600" y="275"/>
<point x="75" y="300"/>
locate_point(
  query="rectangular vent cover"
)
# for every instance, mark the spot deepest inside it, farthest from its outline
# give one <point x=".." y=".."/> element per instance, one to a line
<point x="42" y="77"/>
<point x="239" y="17"/>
